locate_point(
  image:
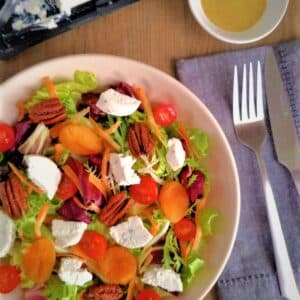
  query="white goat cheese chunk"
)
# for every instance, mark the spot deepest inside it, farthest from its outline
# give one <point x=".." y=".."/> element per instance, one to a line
<point x="7" y="234"/>
<point x="117" y="104"/>
<point x="72" y="272"/>
<point x="67" y="233"/>
<point x="121" y="168"/>
<point x="175" y="154"/>
<point x="131" y="234"/>
<point x="164" y="278"/>
<point x="65" y="6"/>
<point x="43" y="172"/>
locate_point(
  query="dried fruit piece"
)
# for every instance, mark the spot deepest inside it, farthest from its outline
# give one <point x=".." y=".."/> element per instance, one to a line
<point x="140" y="140"/>
<point x="39" y="259"/>
<point x="49" y="111"/>
<point x="103" y="292"/>
<point x="115" y="209"/>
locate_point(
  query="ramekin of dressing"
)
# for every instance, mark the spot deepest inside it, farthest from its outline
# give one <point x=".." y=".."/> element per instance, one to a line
<point x="239" y="21"/>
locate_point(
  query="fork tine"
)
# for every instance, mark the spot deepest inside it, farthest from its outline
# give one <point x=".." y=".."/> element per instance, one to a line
<point x="251" y="93"/>
<point x="244" y="95"/>
<point x="259" y="93"/>
<point x="235" y="97"/>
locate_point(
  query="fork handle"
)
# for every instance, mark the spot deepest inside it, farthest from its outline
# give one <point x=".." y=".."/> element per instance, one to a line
<point x="286" y="277"/>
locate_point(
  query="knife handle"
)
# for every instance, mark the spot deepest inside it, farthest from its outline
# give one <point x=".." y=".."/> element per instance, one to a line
<point x="296" y="177"/>
<point x="286" y="278"/>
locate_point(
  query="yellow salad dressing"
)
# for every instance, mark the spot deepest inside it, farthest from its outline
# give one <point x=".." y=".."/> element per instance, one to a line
<point x="234" y="15"/>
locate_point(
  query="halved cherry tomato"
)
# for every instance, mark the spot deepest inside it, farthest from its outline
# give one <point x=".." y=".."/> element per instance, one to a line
<point x="66" y="189"/>
<point x="93" y="244"/>
<point x="185" y="230"/>
<point x="164" y="114"/>
<point x="147" y="295"/>
<point x="146" y="192"/>
<point x="7" y="137"/>
<point x="9" y="278"/>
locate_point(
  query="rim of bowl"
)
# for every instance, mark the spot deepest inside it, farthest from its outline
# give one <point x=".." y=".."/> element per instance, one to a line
<point x="233" y="41"/>
<point x="190" y="96"/>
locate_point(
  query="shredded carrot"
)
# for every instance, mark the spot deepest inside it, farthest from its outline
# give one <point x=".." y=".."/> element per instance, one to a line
<point x="113" y="128"/>
<point x="93" y="207"/>
<point x="131" y="288"/>
<point x="23" y="179"/>
<point x="197" y="239"/>
<point x="141" y="95"/>
<point x="184" y="135"/>
<point x="58" y="150"/>
<point x="78" y="116"/>
<point x="94" y="180"/>
<point x="103" y="134"/>
<point x="147" y="213"/>
<point x="79" y="204"/>
<point x="71" y="174"/>
<point x="104" y="167"/>
<point x="21" y="109"/>
<point x="49" y="219"/>
<point x="55" y="130"/>
<point x="50" y="87"/>
<point x="40" y="219"/>
<point x="183" y="249"/>
<point x="139" y="284"/>
<point x="201" y="203"/>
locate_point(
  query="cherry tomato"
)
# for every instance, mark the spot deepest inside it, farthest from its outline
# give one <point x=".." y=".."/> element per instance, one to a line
<point x="7" y="137"/>
<point x="9" y="278"/>
<point x="147" y="295"/>
<point x="66" y="189"/>
<point x="146" y="192"/>
<point x="185" y="230"/>
<point x="164" y="114"/>
<point x="93" y="244"/>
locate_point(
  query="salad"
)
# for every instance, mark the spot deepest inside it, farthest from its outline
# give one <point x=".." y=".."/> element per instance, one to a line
<point x="102" y="196"/>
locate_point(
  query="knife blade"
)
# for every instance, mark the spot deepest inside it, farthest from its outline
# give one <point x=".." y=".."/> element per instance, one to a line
<point x="283" y="127"/>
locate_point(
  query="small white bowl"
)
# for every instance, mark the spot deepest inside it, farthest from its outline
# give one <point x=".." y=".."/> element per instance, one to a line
<point x="271" y="18"/>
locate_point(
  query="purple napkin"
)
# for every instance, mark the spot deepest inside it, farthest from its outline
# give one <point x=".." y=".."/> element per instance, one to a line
<point x="251" y="272"/>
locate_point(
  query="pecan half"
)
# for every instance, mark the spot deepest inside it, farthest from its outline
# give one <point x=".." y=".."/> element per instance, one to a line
<point x="140" y="140"/>
<point x="115" y="209"/>
<point x="103" y="292"/>
<point x="48" y="111"/>
<point x="13" y="197"/>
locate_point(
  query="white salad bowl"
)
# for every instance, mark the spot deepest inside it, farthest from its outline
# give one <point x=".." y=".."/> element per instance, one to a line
<point x="225" y="190"/>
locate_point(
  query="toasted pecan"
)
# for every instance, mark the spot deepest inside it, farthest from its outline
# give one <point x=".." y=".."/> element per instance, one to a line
<point x="13" y="197"/>
<point x="49" y="112"/>
<point x="103" y="292"/>
<point x="117" y="206"/>
<point x="140" y="140"/>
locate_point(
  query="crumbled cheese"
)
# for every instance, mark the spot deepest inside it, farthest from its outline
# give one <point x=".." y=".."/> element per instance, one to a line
<point x="67" y="233"/>
<point x="7" y="234"/>
<point x="131" y="234"/>
<point x="121" y="168"/>
<point x="175" y="154"/>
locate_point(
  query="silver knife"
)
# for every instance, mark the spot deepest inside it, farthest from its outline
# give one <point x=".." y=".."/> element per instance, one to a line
<point x="284" y="131"/>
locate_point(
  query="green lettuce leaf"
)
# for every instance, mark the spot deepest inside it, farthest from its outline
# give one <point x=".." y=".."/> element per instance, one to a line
<point x="69" y="92"/>
<point x="171" y="256"/>
<point x="190" y="270"/>
<point x="207" y="218"/>
<point x="56" y="289"/>
<point x="96" y="225"/>
<point x="199" y="140"/>
<point x="1" y="157"/>
<point x="26" y="224"/>
<point x="15" y="259"/>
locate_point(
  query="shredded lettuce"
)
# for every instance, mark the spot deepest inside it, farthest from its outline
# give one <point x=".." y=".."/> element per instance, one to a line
<point x="171" y="257"/>
<point x="56" y="289"/>
<point x="1" y="157"/>
<point x="199" y="140"/>
<point x="96" y="225"/>
<point x="69" y="92"/>
<point x="207" y="219"/>
<point x="162" y="293"/>
<point x="190" y="270"/>
<point x="15" y="259"/>
<point x="27" y="222"/>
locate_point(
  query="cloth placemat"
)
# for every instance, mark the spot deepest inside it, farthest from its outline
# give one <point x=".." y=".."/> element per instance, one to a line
<point x="251" y="272"/>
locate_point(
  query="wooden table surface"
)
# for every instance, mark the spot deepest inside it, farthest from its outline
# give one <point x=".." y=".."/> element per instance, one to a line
<point x="156" y="32"/>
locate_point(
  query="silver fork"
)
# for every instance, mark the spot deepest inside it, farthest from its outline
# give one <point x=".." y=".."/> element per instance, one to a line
<point x="250" y="128"/>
